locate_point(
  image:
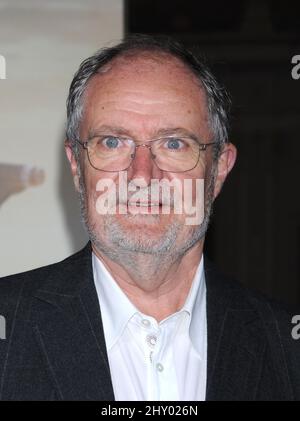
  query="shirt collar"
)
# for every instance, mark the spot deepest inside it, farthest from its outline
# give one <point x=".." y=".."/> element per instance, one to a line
<point x="117" y="309"/>
<point x="196" y="306"/>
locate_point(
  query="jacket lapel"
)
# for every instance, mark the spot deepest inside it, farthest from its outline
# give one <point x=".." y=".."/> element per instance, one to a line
<point x="236" y="342"/>
<point x="245" y="356"/>
<point x="69" y="331"/>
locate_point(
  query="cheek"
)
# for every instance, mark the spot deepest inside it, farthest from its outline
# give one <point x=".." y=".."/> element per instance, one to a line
<point x="100" y="184"/>
<point x="90" y="182"/>
<point x="193" y="177"/>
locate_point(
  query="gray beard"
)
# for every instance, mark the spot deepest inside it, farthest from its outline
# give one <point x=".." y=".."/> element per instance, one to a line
<point x="115" y="243"/>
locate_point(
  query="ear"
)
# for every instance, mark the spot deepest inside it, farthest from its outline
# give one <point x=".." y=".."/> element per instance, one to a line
<point x="225" y="164"/>
<point x="73" y="163"/>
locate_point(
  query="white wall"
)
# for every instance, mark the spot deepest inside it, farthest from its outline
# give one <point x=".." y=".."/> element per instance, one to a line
<point x="43" y="42"/>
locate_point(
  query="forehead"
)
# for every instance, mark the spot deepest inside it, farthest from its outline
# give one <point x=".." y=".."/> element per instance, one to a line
<point x="150" y="87"/>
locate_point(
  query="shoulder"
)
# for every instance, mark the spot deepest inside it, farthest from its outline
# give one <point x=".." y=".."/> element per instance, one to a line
<point x="24" y="284"/>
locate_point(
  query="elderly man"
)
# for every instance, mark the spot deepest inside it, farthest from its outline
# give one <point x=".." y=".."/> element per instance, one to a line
<point x="140" y="313"/>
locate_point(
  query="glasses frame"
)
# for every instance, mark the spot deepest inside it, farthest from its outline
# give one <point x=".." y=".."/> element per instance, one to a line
<point x="202" y="147"/>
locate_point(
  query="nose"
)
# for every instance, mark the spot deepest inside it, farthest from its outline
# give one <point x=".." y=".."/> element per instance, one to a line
<point x="142" y="165"/>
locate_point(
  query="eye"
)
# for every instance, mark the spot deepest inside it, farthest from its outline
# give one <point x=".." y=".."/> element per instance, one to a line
<point x="174" y="143"/>
<point x="111" y="142"/>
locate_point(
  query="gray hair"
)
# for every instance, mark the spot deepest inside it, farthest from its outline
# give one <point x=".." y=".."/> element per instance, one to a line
<point x="218" y="101"/>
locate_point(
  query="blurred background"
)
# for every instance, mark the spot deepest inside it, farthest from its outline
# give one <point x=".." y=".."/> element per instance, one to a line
<point x="255" y="231"/>
<point x="43" y="42"/>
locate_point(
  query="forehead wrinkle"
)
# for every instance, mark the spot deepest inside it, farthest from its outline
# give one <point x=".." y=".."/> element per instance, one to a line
<point x="135" y="109"/>
<point x="141" y="103"/>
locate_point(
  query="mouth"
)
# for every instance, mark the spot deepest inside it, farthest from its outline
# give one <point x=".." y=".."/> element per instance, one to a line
<point x="144" y="207"/>
<point x="147" y="204"/>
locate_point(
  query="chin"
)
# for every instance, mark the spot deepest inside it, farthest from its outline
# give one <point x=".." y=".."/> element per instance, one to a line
<point x="139" y="233"/>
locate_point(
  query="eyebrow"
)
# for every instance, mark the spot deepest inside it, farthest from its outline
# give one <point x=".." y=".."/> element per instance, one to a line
<point x="121" y="131"/>
<point x="178" y="131"/>
<point x="117" y="130"/>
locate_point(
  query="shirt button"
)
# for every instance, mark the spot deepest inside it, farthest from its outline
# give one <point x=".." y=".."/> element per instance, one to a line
<point x="146" y="322"/>
<point x="159" y="367"/>
<point x="151" y="340"/>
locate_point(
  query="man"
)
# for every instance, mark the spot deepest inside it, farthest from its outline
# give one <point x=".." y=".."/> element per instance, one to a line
<point x="140" y="313"/>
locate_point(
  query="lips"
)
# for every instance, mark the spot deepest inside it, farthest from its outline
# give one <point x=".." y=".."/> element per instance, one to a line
<point x="144" y="207"/>
<point x="144" y="204"/>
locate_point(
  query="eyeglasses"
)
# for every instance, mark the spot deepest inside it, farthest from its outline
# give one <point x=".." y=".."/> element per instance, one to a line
<point x="116" y="153"/>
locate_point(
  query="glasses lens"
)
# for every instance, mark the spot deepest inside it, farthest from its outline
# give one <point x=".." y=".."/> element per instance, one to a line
<point x="110" y="153"/>
<point x="176" y="154"/>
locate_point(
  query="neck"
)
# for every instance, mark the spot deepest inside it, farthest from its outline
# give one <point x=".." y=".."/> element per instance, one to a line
<point x="157" y="285"/>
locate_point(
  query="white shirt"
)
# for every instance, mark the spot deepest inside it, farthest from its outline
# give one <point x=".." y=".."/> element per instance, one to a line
<point x="150" y="360"/>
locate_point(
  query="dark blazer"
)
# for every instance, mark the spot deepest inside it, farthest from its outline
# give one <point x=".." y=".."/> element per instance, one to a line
<point x="55" y="347"/>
